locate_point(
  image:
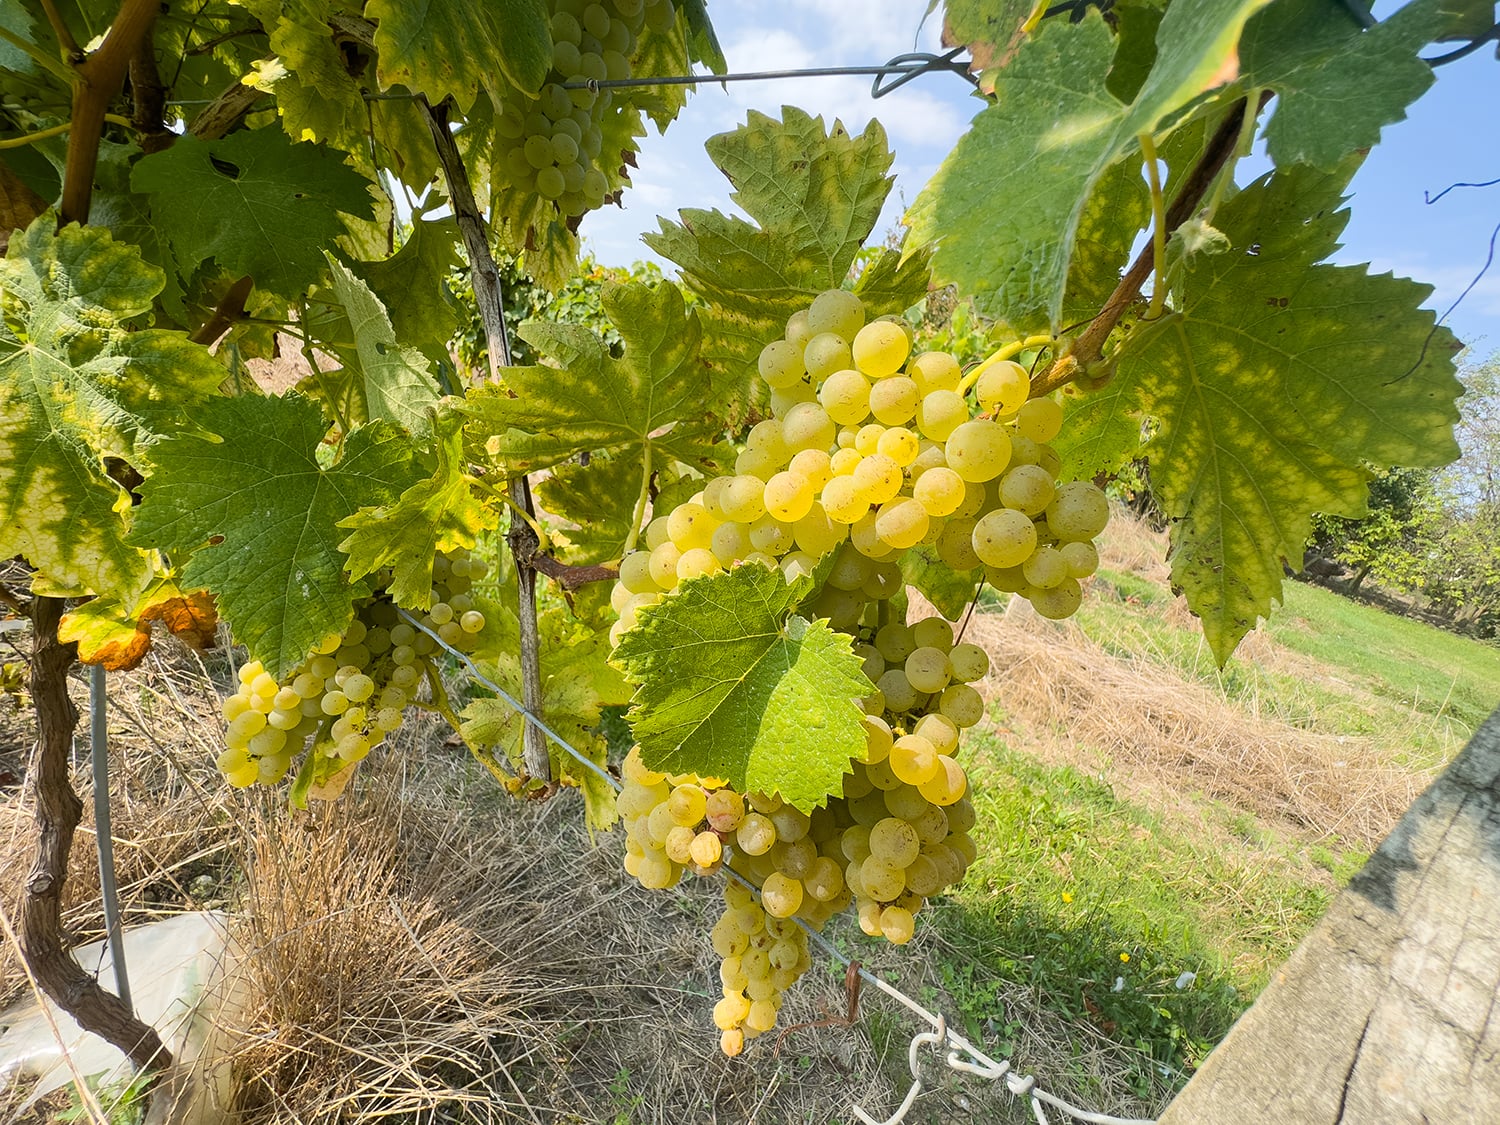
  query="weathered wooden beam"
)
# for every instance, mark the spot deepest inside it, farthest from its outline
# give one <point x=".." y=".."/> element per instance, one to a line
<point x="1387" y="1011"/>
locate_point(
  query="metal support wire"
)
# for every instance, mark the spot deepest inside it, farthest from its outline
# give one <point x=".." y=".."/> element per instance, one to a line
<point x="903" y="68"/>
<point x="976" y="1063"/>
<point x="109" y="890"/>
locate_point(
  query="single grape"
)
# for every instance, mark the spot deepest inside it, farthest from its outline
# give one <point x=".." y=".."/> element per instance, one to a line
<point x="880" y="348"/>
<point x="836" y="310"/>
<point x="894" y="401"/>
<point x="1040" y="419"/>
<point x="978" y="451"/>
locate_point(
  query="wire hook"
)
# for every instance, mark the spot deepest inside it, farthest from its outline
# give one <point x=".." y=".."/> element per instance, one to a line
<point x="936" y="1037"/>
<point x="915" y="64"/>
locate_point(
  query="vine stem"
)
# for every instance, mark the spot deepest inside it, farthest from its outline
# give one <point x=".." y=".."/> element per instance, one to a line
<point x="490" y="298"/>
<point x="1014" y="348"/>
<point x="1089" y="347"/>
<point x="639" y="512"/>
<point x="97" y="78"/>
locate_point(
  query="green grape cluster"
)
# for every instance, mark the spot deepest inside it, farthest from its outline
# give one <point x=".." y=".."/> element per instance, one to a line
<point x="552" y="145"/>
<point x="871" y="451"/>
<point x="761" y="956"/>
<point x="353" y="688"/>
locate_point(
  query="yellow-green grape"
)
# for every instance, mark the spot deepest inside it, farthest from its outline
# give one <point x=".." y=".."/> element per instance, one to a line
<point x="1004" y="538"/>
<point x="797" y="333"/>
<point x="865" y="536"/>
<point x="947" y="784"/>
<point x="808" y="426"/>
<point x="896" y="642"/>
<point x="933" y="632"/>
<point x="884" y="582"/>
<point x="781" y="895"/>
<point x="689" y="525"/>
<point x="743" y="498"/>
<point x="771" y="535"/>
<point x="1040" y="419"/>
<point x="1082" y="558"/>
<point x="939" y="490"/>
<point x="975" y="501"/>
<point x="978" y="451"/>
<point x="955" y="545"/>
<point x="788" y="496"/>
<point x="939" y="730"/>
<point x="962" y="704"/>
<point x="755" y="835"/>
<point x="780" y="364"/>
<point x="664" y="561"/>
<point x="1077" y="512"/>
<point x="836" y="310"/>
<point x="928" y="670"/>
<point x="1027" y="488"/>
<point x="846" y="396"/>
<point x="844" y="500"/>
<point x="897" y="925"/>
<point x="814" y="464"/>
<point x="894" y="401"/>
<point x="902" y="523"/>
<point x="878" y="738"/>
<point x="969" y="662"/>
<point x="878" y="478"/>
<point x="238" y="768"/>
<point x="826" y="353"/>
<point x="1045" y="568"/>
<point x="940" y="413"/>
<point x="899" y="444"/>
<point x="913" y="759"/>
<point x="1002" y="387"/>
<point x="697" y="562"/>
<point x="935" y="371"/>
<point x="731" y="542"/>
<point x="894" y="841"/>
<point x="1059" y="601"/>
<point x="472" y="621"/>
<point x="880" y="348"/>
<point x="899" y="693"/>
<point x="817" y="533"/>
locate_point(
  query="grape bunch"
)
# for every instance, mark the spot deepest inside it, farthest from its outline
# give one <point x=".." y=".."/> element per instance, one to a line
<point x="761" y="956"/>
<point x="552" y="145"/>
<point x="871" y="451"/>
<point x="353" y="688"/>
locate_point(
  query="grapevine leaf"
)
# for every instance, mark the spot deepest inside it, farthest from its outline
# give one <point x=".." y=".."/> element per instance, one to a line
<point x="395" y="378"/>
<point x="1319" y="62"/>
<point x="728" y="684"/>
<point x="950" y="591"/>
<point x="597" y="500"/>
<point x="77" y="388"/>
<point x="436" y="514"/>
<point x="1052" y="132"/>
<point x="991" y="29"/>
<point x="108" y="633"/>
<point x="654" y="401"/>
<point x="1135" y="52"/>
<point x="253" y="201"/>
<point x="813" y="195"/>
<point x="1273" y="385"/>
<point x="410" y="285"/>
<point x="317" y="98"/>
<point x="892" y="284"/>
<point x="455" y="48"/>
<point x="577" y="682"/>
<point x="260" y="515"/>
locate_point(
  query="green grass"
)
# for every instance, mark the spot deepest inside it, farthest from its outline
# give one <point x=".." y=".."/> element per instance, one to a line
<point x="1075" y="887"/>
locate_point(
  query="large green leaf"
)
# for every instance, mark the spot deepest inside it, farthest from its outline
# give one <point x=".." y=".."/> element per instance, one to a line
<point x="731" y="684"/>
<point x="598" y="502"/>
<point x="260" y="515"/>
<point x="440" y="513"/>
<point x="654" y="401"/>
<point x="1337" y="84"/>
<point x="813" y="195"/>
<point x="254" y="202"/>
<point x="394" y="377"/>
<point x="1273" y="385"/>
<point x="1052" y="132"/>
<point x="77" y="387"/>
<point x="456" y="48"/>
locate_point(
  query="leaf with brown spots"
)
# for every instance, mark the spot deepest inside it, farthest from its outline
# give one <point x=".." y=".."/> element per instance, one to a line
<point x="119" y="640"/>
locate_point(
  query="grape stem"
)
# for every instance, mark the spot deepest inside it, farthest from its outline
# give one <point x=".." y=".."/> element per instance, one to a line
<point x="1014" y="348"/>
<point x="640" y="505"/>
<point x="54" y="131"/>
<point x="1090" y="345"/>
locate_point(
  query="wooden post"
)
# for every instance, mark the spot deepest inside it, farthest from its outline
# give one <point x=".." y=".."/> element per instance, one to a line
<point x="1386" y="1011"/>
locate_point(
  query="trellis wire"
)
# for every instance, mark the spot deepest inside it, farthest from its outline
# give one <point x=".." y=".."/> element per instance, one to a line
<point x="109" y="891"/>
<point x="978" y="1063"/>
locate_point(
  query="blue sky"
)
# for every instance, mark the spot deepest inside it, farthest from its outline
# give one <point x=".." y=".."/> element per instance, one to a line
<point x="1451" y="134"/>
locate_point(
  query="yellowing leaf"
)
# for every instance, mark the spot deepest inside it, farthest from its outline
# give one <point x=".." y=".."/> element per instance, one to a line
<point x="107" y="634"/>
<point x="76" y="387"/>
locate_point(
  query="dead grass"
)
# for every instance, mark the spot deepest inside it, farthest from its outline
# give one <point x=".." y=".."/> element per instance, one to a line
<point x="1144" y="721"/>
